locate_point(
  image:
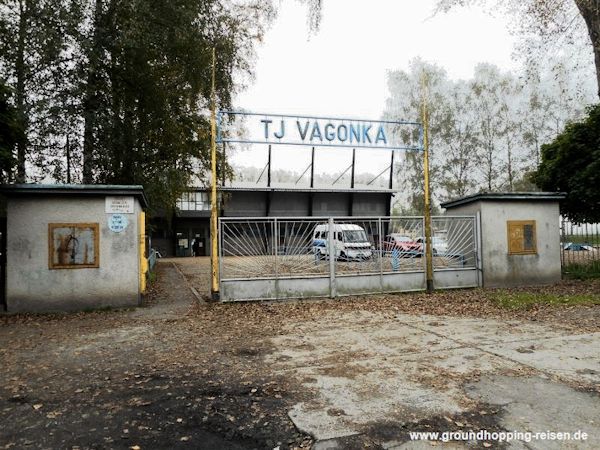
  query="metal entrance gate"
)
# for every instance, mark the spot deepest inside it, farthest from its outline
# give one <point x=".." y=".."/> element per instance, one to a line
<point x="283" y="257"/>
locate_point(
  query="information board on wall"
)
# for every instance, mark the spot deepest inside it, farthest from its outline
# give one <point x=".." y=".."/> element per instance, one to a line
<point x="119" y="205"/>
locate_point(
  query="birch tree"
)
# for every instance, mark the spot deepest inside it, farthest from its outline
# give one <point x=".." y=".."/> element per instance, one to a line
<point x="458" y="133"/>
<point x="405" y="103"/>
<point x="485" y="133"/>
<point x="554" y="22"/>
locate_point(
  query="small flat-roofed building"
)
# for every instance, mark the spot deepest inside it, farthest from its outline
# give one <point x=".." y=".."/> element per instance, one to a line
<point x="73" y="247"/>
<point x="520" y="236"/>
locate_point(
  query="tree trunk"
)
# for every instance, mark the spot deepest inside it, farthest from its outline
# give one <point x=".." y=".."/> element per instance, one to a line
<point x="90" y="102"/>
<point x="509" y="166"/>
<point x="590" y="11"/>
<point x="20" y="89"/>
<point x="116" y="147"/>
<point x="490" y="169"/>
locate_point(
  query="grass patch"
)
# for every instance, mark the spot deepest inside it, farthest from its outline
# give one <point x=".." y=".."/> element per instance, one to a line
<point x="527" y="300"/>
<point x="152" y="277"/>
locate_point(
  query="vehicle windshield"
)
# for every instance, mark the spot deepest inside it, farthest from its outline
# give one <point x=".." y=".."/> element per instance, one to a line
<point x="355" y="236"/>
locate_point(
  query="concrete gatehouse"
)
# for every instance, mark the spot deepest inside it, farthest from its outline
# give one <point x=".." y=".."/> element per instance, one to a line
<point x="520" y="236"/>
<point x="73" y="247"/>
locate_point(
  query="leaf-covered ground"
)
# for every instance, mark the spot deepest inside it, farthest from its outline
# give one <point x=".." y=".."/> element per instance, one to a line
<point x="178" y="374"/>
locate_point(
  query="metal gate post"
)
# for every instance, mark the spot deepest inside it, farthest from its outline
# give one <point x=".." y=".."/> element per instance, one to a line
<point x="275" y="235"/>
<point x="331" y="248"/>
<point x="220" y="228"/>
<point x="424" y="256"/>
<point x="562" y="239"/>
<point x="379" y="231"/>
<point x="478" y="241"/>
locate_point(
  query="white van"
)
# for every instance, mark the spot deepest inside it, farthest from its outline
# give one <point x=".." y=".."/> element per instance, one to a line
<point x="350" y="241"/>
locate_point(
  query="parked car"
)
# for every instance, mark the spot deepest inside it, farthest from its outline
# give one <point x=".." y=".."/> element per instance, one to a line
<point x="573" y="247"/>
<point x="405" y="245"/>
<point x="349" y="241"/>
<point x="440" y="245"/>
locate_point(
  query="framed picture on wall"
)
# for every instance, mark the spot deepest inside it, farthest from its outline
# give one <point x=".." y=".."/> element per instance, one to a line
<point x="73" y="245"/>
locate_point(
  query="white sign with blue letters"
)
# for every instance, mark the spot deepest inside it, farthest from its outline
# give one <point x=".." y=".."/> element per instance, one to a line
<point x="323" y="131"/>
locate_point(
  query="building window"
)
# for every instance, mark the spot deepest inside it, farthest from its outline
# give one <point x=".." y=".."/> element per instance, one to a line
<point x="521" y="237"/>
<point x="193" y="201"/>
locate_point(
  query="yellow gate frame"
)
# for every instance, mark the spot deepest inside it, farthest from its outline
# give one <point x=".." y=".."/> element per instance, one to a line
<point x="142" y="250"/>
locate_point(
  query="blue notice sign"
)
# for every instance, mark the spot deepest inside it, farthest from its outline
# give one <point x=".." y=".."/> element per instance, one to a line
<point x="117" y="222"/>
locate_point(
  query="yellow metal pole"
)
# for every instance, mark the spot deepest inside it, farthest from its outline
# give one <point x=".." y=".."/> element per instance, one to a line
<point x="214" y="236"/>
<point x="428" y="240"/>
<point x="143" y="260"/>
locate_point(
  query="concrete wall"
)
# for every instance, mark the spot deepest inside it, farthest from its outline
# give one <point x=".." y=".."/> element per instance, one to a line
<point x="355" y="284"/>
<point x="32" y="286"/>
<point x="503" y="270"/>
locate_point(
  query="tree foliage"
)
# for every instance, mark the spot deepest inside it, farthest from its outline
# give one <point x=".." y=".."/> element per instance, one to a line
<point x="32" y="47"/>
<point x="145" y="86"/>
<point x="550" y="21"/>
<point x="571" y="164"/>
<point x="118" y="91"/>
<point x="10" y="135"/>
<point x="485" y="132"/>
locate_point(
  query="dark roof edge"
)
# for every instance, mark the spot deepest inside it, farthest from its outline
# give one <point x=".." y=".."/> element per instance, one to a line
<point x="11" y="190"/>
<point x="304" y="189"/>
<point x="501" y="196"/>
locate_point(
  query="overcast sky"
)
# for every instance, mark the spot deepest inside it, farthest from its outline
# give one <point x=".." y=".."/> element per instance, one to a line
<point x="341" y="70"/>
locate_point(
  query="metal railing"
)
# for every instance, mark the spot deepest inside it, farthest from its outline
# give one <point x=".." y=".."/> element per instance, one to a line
<point x="266" y="248"/>
<point x="579" y="246"/>
<point x="454" y="242"/>
<point x="152" y="257"/>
